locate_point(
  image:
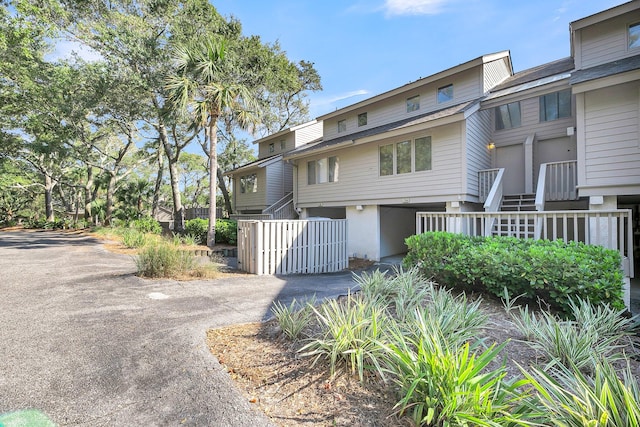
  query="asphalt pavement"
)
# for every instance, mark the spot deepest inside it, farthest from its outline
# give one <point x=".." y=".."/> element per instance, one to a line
<point x="88" y="343"/>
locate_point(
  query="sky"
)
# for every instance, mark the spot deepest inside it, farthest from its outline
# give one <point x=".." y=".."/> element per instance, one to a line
<point x="362" y="48"/>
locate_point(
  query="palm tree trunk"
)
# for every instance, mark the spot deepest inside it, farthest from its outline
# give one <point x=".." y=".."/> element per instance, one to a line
<point x="225" y="192"/>
<point x="213" y="167"/>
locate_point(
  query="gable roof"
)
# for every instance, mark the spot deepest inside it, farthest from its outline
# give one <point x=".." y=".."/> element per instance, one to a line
<point x="285" y="131"/>
<point x="605" y="70"/>
<point x="256" y="164"/>
<point x="560" y="66"/>
<point x="504" y="55"/>
<point x="400" y="124"/>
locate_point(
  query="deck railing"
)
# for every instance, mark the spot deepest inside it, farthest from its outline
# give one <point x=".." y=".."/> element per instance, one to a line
<point x="561" y="180"/>
<point x="486" y="178"/>
<point x="609" y="228"/>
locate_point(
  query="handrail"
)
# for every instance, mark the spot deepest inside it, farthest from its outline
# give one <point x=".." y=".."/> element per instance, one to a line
<point x="486" y="178"/>
<point x="541" y="188"/>
<point x="278" y="204"/>
<point x="494" y="198"/>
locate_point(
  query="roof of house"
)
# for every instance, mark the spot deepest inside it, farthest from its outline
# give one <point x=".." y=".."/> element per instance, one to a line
<point x="540" y="72"/>
<point x="256" y="164"/>
<point x="409" y="121"/>
<point x="285" y="131"/>
<point x="604" y="15"/>
<point x="606" y="70"/>
<point x="504" y="55"/>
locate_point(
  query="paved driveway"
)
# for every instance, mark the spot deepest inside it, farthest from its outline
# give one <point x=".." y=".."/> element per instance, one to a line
<point x="89" y="343"/>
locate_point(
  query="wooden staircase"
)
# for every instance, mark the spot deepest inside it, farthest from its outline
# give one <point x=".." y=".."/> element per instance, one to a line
<point x="517" y="227"/>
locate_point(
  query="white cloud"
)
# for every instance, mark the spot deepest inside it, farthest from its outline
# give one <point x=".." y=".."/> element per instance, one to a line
<point x="414" y="7"/>
<point x="324" y="104"/>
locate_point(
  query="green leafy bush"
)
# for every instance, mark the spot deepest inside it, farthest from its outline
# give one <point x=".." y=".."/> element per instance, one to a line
<point x="132" y="238"/>
<point x="146" y="225"/>
<point x="552" y="271"/>
<point x="226" y="230"/>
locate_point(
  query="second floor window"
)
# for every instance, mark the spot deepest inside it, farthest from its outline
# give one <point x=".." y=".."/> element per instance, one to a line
<point x="508" y="116"/>
<point x="634" y="35"/>
<point x="445" y="94"/>
<point x="342" y="125"/>
<point x="272" y="148"/>
<point x="249" y="183"/>
<point x="323" y="170"/>
<point x="556" y="105"/>
<point x="283" y="144"/>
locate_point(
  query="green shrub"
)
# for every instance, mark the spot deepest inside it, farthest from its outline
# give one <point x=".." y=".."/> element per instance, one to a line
<point x="226" y="230"/>
<point x="197" y="228"/>
<point x="552" y="271"/>
<point x="147" y="225"/>
<point x="164" y="260"/>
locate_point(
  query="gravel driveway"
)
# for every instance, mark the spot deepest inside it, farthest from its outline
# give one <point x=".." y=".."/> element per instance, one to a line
<point x="88" y="343"/>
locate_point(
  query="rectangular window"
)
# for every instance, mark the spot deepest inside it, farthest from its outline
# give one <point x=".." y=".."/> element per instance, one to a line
<point x="322" y="170"/>
<point x="423" y="154"/>
<point x="249" y="183"/>
<point x="386" y="160"/>
<point x="555" y="105"/>
<point x="272" y="148"/>
<point x="508" y="116"/>
<point x="413" y="103"/>
<point x="362" y="119"/>
<point x="634" y="35"/>
<point x="403" y="157"/>
<point x="445" y="94"/>
<point x="342" y="125"/>
<point x="283" y="144"/>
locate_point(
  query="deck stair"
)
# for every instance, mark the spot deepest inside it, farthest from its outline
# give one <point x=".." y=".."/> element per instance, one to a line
<point x="522" y="227"/>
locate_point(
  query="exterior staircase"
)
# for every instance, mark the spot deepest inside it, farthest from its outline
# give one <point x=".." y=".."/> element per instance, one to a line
<point x="519" y="227"/>
<point x="282" y="209"/>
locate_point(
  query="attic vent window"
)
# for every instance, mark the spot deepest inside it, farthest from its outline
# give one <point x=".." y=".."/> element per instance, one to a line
<point x="413" y="103"/>
<point x="445" y="94"/>
<point x="634" y="35"/>
<point x="362" y="119"/>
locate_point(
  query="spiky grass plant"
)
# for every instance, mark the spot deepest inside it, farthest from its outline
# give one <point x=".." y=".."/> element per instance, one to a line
<point x="455" y="317"/>
<point x="569" y="398"/>
<point x="595" y="333"/>
<point x="292" y="318"/>
<point x="164" y="260"/>
<point x="351" y="334"/>
<point x="444" y="385"/>
<point x="132" y="238"/>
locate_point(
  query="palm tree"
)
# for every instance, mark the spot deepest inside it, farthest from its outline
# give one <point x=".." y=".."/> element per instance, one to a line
<point x="204" y="88"/>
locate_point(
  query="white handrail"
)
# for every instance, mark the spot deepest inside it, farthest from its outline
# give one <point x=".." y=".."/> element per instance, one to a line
<point x="541" y="188"/>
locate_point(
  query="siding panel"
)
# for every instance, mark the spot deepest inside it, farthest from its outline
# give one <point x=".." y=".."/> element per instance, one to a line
<point x="478" y="157"/>
<point x="606" y="41"/>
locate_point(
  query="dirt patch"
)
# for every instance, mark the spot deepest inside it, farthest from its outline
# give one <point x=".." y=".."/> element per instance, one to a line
<point x="273" y="375"/>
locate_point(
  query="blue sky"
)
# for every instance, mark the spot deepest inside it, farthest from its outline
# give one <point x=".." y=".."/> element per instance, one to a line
<point x="365" y="47"/>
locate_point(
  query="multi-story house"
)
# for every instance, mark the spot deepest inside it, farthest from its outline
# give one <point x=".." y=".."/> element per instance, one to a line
<point x="263" y="188"/>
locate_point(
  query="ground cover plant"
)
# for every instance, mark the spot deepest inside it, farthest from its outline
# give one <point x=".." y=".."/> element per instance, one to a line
<point x="455" y="359"/>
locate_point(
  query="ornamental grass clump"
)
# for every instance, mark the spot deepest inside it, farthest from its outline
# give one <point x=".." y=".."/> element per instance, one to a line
<point x="569" y="398"/>
<point x="441" y="384"/>
<point x="132" y="238"/>
<point x="596" y="333"/>
<point x="165" y="260"/>
<point x="292" y="318"/>
<point x="351" y="334"/>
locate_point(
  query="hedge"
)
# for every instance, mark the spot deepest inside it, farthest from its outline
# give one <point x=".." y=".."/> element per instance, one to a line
<point x="226" y="230"/>
<point x="553" y="271"/>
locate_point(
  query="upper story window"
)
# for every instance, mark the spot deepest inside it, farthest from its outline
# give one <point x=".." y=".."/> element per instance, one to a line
<point x="362" y="119"/>
<point x="283" y="144"/>
<point x="322" y="170"/>
<point x="272" y="148"/>
<point x="249" y="183"/>
<point x="508" y="116"/>
<point x="445" y="94"/>
<point x="405" y="157"/>
<point x="634" y="35"/>
<point x="413" y="103"/>
<point x="556" y="105"/>
<point x="342" y="125"/>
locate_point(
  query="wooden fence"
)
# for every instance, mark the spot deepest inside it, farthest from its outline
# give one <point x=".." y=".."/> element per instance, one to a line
<point x="292" y="246"/>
